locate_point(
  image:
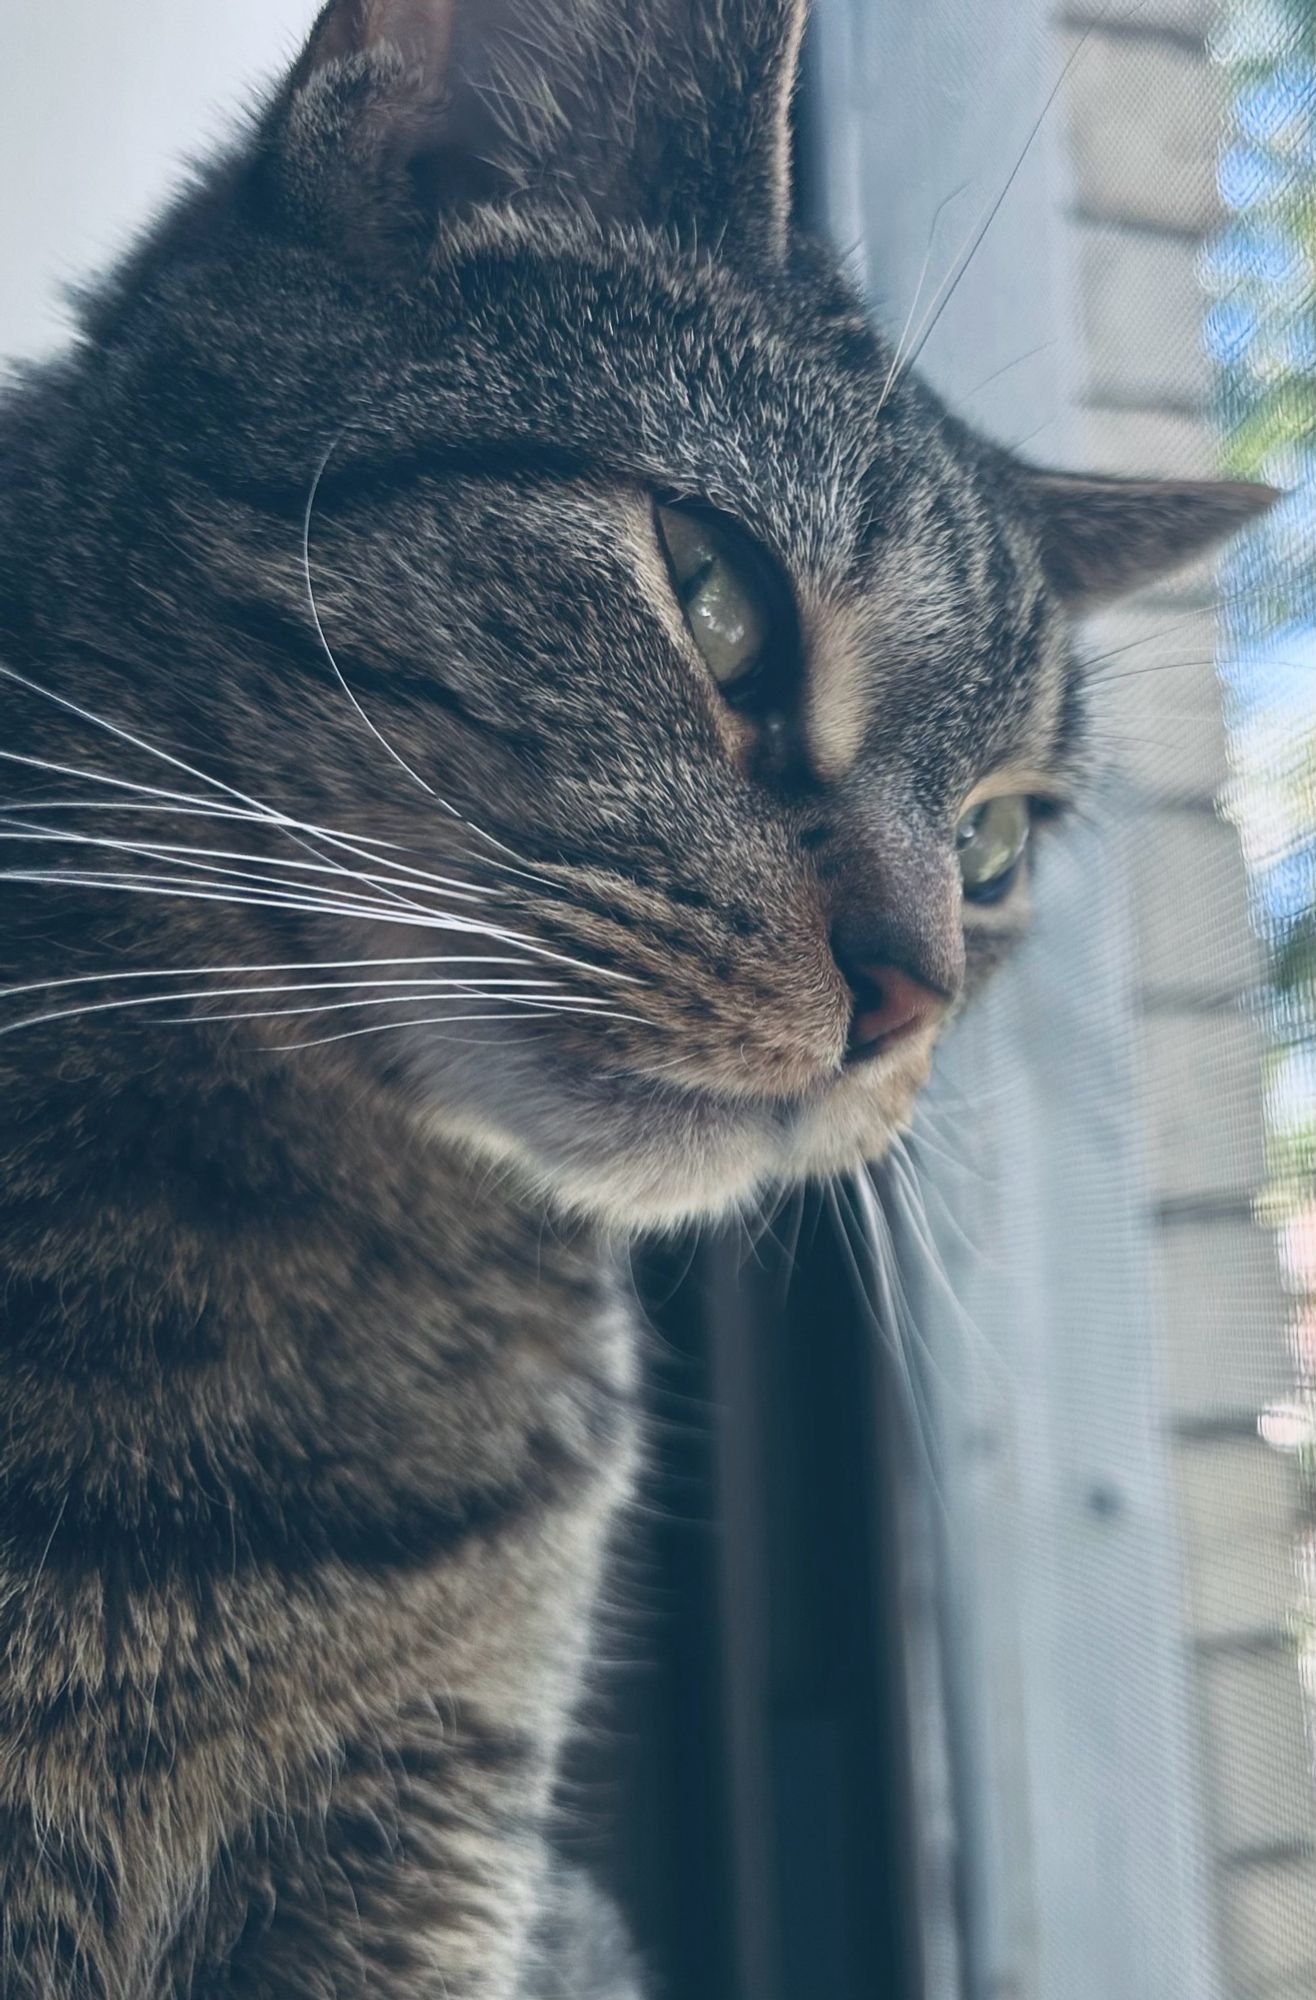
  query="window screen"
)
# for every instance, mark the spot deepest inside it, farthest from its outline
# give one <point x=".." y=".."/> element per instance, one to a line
<point x="1097" y="230"/>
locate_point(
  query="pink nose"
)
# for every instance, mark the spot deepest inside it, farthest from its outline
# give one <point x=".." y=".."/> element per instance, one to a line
<point x="891" y="1004"/>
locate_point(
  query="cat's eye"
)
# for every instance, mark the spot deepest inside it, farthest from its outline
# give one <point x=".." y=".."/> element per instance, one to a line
<point x="989" y="842"/>
<point x="720" y="592"/>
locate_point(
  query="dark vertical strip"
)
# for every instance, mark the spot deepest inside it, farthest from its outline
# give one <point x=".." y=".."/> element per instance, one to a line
<point x="648" y="1796"/>
<point x="765" y="1840"/>
<point x="743" y="1328"/>
<point x="819" y="1756"/>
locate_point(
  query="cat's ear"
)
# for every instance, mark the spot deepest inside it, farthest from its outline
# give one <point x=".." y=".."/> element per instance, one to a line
<point x="667" y="112"/>
<point x="384" y="117"/>
<point x="1101" y="537"/>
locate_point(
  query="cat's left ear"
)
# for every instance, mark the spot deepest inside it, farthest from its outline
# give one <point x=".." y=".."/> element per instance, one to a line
<point x="1101" y="537"/>
<point x="672" y="113"/>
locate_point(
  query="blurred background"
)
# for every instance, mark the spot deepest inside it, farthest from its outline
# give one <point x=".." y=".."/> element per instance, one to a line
<point x="970" y="1642"/>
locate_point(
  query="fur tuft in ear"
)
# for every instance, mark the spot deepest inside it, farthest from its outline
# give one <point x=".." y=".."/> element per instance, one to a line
<point x="1102" y="537"/>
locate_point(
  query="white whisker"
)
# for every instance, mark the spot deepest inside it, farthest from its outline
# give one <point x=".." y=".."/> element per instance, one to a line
<point x="964" y="258"/>
<point x="462" y="989"/>
<point x="166" y="850"/>
<point x="138" y="742"/>
<point x="431" y="1021"/>
<point x="897" y="355"/>
<point x="15" y="808"/>
<point x="291" y="826"/>
<point x="251" y="810"/>
<point x="257" y="811"/>
<point x="144" y="883"/>
<point x="357" y="844"/>
<point x="296" y="965"/>
<point x="908" y="1188"/>
<point x="876" y="1274"/>
<point x="216" y="889"/>
<point x="462" y="992"/>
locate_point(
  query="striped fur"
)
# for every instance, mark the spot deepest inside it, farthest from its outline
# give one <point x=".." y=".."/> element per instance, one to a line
<point x="336" y="646"/>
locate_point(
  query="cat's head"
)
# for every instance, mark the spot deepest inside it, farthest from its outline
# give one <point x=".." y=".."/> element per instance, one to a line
<point x="732" y="676"/>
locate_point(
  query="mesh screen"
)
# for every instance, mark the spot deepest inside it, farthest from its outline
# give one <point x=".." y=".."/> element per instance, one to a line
<point x="1097" y="231"/>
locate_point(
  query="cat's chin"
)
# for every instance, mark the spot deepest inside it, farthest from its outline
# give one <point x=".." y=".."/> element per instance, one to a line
<point x="634" y="1154"/>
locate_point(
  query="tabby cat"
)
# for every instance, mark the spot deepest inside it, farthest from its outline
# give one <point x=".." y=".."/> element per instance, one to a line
<point x="474" y="532"/>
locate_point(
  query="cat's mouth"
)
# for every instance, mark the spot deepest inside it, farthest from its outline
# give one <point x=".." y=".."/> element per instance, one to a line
<point x="640" y="1148"/>
<point x="680" y="1113"/>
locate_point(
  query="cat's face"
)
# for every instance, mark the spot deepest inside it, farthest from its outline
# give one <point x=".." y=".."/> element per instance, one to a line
<point x="761" y="684"/>
<point x="731" y="676"/>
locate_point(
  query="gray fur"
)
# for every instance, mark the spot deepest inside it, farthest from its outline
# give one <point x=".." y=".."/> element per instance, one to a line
<point x="318" y="1371"/>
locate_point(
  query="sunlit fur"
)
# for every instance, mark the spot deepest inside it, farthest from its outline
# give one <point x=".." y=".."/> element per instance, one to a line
<point x="337" y="643"/>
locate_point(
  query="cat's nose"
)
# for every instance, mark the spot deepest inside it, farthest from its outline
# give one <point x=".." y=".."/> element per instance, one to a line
<point x="889" y="1004"/>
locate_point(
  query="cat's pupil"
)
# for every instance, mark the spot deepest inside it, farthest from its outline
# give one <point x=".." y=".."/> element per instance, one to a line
<point x="691" y="590"/>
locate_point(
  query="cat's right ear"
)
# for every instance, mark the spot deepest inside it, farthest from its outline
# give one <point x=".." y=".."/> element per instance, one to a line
<point x="672" y="113"/>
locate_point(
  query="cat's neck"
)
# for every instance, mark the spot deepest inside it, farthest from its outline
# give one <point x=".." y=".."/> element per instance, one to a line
<point x="262" y="1319"/>
<point x="260" y="1198"/>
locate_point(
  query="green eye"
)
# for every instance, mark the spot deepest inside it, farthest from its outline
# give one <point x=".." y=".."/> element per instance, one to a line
<point x="989" y="842"/>
<point x="719" y="595"/>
